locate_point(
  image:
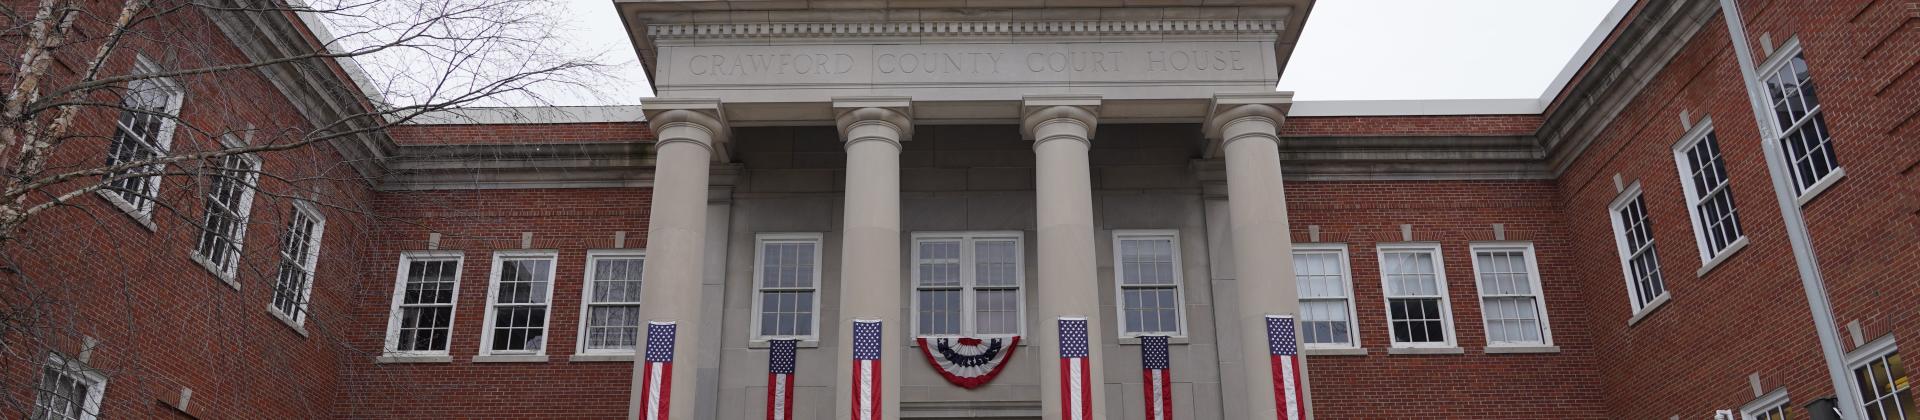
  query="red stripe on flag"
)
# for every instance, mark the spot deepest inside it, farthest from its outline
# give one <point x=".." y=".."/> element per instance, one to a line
<point x="1166" y="394"/>
<point x="666" y="389"/>
<point x="1147" y="378"/>
<point x="877" y="414"/>
<point x="772" y="390"/>
<point x="1086" y="387"/>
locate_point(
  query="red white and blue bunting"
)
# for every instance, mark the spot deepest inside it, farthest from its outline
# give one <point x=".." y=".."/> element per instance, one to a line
<point x="966" y="361"/>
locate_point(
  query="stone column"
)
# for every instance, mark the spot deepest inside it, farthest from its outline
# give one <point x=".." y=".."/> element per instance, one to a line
<point x="872" y="129"/>
<point x="1246" y="128"/>
<point x="1061" y="128"/>
<point x="691" y="133"/>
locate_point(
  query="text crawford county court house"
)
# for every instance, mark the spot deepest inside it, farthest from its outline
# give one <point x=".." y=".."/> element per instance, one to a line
<point x="1102" y="209"/>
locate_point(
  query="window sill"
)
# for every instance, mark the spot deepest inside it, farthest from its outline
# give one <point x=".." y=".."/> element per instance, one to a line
<point x="1522" y="349"/>
<point x="413" y="358"/>
<point x="1648" y="309"/>
<point x="1425" y="350"/>
<point x="764" y="343"/>
<point x="1351" y="351"/>
<point x="1821" y="186"/>
<point x="1135" y="340"/>
<point x="595" y="358"/>
<point x="510" y="358"/>
<point x="297" y="327"/>
<point x="143" y="219"/>
<point x="214" y="269"/>
<point x="1731" y="249"/>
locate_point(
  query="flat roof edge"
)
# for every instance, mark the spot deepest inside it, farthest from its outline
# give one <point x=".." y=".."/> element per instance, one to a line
<point x="1416" y="107"/>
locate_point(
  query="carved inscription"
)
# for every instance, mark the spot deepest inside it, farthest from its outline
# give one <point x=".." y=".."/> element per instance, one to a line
<point x="1202" y="60"/>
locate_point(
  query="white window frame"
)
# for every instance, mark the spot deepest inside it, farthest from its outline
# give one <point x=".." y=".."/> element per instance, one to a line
<point x="162" y="141"/>
<point x="242" y="212"/>
<point x="1776" y="62"/>
<point x="1701" y="236"/>
<point x="760" y="242"/>
<point x="1539" y="294"/>
<point x="1119" y="289"/>
<point x="399" y="294"/>
<point x="78" y="371"/>
<point x="310" y="266"/>
<point x="1346" y="279"/>
<point x="493" y="290"/>
<point x="1869" y="353"/>
<point x="1777" y="399"/>
<point x="1640" y="309"/>
<point x="586" y="300"/>
<point x="1440" y="277"/>
<point x="968" y="312"/>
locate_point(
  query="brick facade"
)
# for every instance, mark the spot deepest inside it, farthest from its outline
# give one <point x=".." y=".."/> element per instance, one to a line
<point x="166" y="324"/>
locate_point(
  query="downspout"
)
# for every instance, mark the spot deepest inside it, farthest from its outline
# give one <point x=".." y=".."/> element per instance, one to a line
<point x="1796" y="223"/>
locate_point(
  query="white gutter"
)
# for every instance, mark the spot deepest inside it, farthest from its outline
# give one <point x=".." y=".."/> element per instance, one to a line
<point x="1796" y="224"/>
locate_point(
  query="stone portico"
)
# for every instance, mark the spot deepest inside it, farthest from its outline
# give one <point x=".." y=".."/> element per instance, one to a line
<point x="867" y="123"/>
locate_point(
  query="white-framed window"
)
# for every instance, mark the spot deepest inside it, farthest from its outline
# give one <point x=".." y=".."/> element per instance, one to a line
<point x="1703" y="175"/>
<point x="1796" y="112"/>
<point x="1511" y="301"/>
<point x="610" y="317"/>
<point x="968" y="283"/>
<point x="68" y="390"/>
<point x="1418" y="310"/>
<point x="424" y="295"/>
<point x="1772" y="406"/>
<point x="786" y="286"/>
<point x="519" y="296"/>
<point x="299" y="253"/>
<point x="1633" y="233"/>
<point x="1146" y="267"/>
<point x="223" y="229"/>
<point x="1325" y="283"/>
<point x="149" y="110"/>
<point x="1881" y="378"/>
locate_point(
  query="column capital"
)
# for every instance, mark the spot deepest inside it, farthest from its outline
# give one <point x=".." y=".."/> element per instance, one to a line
<point x="697" y="121"/>
<point x="883" y="118"/>
<point x="1081" y="112"/>
<point x="1229" y="111"/>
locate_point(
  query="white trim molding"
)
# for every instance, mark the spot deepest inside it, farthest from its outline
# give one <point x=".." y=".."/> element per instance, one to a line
<point x="587" y="303"/>
<point x="760" y="242"/>
<point x="1449" y="343"/>
<point x="1537" y="292"/>
<point x="1172" y="237"/>
<point x="545" y="302"/>
<point x="1345" y="265"/>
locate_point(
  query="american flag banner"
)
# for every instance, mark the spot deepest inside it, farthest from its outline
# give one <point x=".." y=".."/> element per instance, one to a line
<point x="780" y="379"/>
<point x="1159" y="375"/>
<point x="656" y="381"/>
<point x="1285" y="350"/>
<point x="1076" y="365"/>
<point x="866" y="369"/>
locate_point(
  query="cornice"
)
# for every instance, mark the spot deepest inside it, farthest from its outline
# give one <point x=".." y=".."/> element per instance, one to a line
<point x="1158" y="27"/>
<point x="1651" y="39"/>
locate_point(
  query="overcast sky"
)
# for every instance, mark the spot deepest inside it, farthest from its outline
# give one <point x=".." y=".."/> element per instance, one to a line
<point x="1350" y="50"/>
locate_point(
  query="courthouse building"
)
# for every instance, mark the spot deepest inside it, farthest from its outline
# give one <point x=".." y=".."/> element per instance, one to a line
<point x="1093" y="209"/>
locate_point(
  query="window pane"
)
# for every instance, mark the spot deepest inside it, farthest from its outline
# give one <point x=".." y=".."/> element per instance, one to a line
<point x="1324" y="321"/>
<point x="524" y="281"/>
<point x="939" y="263"/>
<point x="994" y="263"/>
<point x="786" y="313"/>
<point x="939" y="311"/>
<point x="1318" y="275"/>
<point x="998" y="311"/>
<point x="519" y="328"/>
<point x="1410" y="274"/>
<point x="1151" y="309"/>
<point x="617" y="280"/>
<point x="613" y="327"/>
<point x="1416" y="320"/>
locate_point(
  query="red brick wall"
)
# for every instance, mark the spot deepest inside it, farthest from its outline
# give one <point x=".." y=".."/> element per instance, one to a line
<point x="477" y="223"/>
<point x="1749" y="315"/>
<point x="408" y="135"/>
<point x="1419" y="125"/>
<point x="163" y="322"/>
<point x="1471" y="385"/>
